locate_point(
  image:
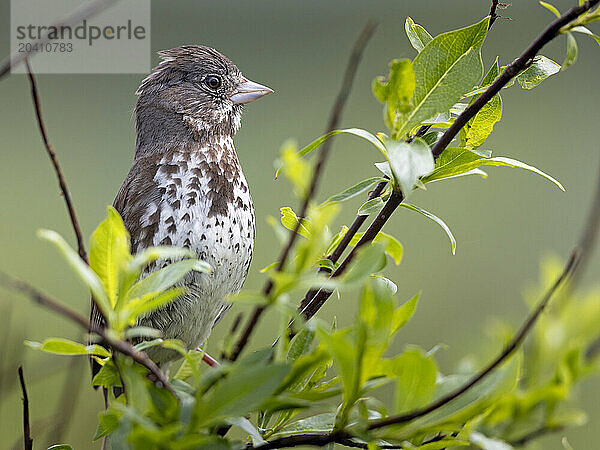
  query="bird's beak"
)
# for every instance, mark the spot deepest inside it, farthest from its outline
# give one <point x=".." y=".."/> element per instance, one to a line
<point x="248" y="91"/>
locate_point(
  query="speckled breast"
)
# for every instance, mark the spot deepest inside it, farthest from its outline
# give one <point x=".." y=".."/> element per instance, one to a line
<point x="206" y="206"/>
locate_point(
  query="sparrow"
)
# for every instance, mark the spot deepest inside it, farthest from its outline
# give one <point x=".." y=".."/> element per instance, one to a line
<point x="186" y="187"/>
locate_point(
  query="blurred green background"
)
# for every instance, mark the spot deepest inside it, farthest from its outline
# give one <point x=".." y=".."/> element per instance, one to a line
<point x="504" y="225"/>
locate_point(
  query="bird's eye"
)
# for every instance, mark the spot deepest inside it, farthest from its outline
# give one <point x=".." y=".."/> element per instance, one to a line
<point x="213" y="81"/>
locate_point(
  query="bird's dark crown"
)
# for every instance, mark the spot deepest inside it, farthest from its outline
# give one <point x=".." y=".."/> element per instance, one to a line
<point x="191" y="86"/>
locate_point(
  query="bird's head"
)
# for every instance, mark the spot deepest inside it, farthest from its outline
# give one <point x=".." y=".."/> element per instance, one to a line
<point x="201" y="84"/>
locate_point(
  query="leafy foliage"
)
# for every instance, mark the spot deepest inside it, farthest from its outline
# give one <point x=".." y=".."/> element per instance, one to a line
<point x="323" y="378"/>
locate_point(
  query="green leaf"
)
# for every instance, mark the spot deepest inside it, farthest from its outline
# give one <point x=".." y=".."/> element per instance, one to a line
<point x="396" y="90"/>
<point x="551" y="8"/>
<point x="108" y="376"/>
<point x="436" y="219"/>
<point x="246" y="426"/>
<point x="296" y="170"/>
<point x="391" y="245"/>
<point x="321" y="423"/>
<point x="300" y="344"/>
<point x="136" y="385"/>
<point x="108" y="421"/>
<point x="355" y="190"/>
<point x="144" y="345"/>
<point x="87" y="275"/>
<point x="409" y="162"/>
<point x="370" y="259"/>
<point x="448" y="67"/>
<point x="572" y="52"/>
<point x="151" y="254"/>
<point x="61" y="346"/>
<point x="269" y="267"/>
<point x="109" y="252"/>
<point x="456" y="161"/>
<point x="190" y="365"/>
<point x="60" y="447"/>
<point x="372" y="206"/>
<point x="415" y="379"/>
<point x="432" y="137"/>
<point x="242" y="391"/>
<point x="343" y="351"/>
<point x="541" y="69"/>
<point x="353" y="131"/>
<point x="139" y="306"/>
<point x="417" y="35"/>
<point x="142" y="332"/>
<point x="586" y="31"/>
<point x="509" y="162"/>
<point x="167" y="277"/>
<point x="403" y="314"/>
<point x="482" y="125"/>
<point x="289" y="219"/>
<point x="477" y="130"/>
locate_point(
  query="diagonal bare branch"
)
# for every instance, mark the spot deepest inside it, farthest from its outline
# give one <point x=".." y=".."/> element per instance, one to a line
<point x="503" y="356"/>
<point x="333" y="123"/>
<point x="118" y="345"/>
<point x="54" y="160"/>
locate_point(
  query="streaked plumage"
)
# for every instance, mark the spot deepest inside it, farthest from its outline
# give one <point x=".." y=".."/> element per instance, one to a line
<point x="186" y="186"/>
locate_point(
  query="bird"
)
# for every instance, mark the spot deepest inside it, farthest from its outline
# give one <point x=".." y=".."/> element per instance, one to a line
<point x="186" y="187"/>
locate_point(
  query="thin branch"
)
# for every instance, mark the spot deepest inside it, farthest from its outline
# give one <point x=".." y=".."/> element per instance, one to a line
<point x="52" y="155"/>
<point x="589" y="233"/>
<point x="493" y="15"/>
<point x="588" y="242"/>
<point x="333" y="122"/>
<point x="310" y="306"/>
<point x="27" y="440"/>
<point x="206" y="358"/>
<point x="341" y="247"/>
<point x="118" y="345"/>
<point x="394" y="201"/>
<point x="511" y="71"/>
<point x="85" y="11"/>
